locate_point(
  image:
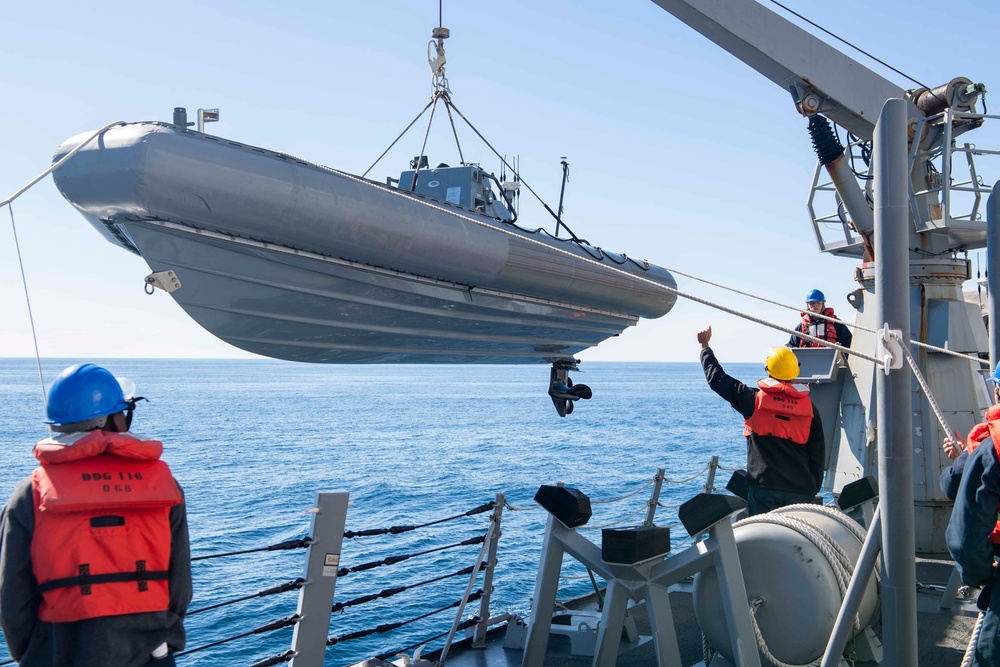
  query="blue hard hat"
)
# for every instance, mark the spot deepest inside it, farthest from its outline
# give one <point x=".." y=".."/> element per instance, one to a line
<point x="995" y="377"/>
<point x="83" y="392"/>
<point x="815" y="295"/>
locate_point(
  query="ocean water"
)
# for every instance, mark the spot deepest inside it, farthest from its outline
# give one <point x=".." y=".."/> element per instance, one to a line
<point x="253" y="441"/>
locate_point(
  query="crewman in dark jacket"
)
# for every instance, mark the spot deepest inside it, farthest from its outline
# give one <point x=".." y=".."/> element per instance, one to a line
<point x="95" y="567"/>
<point x="786" y="452"/>
<point x="959" y="449"/>
<point x="972" y="540"/>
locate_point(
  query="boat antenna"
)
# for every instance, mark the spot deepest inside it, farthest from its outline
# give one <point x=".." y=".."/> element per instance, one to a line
<point x="562" y="192"/>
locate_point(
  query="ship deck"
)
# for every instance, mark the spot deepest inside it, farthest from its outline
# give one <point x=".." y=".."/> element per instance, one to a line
<point x="942" y="634"/>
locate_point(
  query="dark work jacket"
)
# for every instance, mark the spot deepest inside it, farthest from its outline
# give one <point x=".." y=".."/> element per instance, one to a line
<point x="107" y="641"/>
<point x="772" y="462"/>
<point x="975" y="516"/>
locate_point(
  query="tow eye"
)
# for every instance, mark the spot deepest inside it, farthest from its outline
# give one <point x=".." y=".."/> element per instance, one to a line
<point x="165" y="280"/>
<point x="561" y="388"/>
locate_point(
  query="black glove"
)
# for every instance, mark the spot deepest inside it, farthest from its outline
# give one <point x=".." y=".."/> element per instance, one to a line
<point x="983" y="601"/>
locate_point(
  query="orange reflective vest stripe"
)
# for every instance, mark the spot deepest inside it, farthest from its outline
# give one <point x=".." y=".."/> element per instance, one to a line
<point x="781" y="409"/>
<point x="101" y="543"/>
<point x="824" y="329"/>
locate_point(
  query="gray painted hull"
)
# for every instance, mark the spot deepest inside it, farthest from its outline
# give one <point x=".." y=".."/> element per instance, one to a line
<point x="295" y="261"/>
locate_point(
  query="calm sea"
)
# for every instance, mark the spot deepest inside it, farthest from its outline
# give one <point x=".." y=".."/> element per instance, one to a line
<point x="252" y="442"/>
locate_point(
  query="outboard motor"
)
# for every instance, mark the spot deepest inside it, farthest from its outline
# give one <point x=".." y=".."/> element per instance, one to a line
<point x="561" y="388"/>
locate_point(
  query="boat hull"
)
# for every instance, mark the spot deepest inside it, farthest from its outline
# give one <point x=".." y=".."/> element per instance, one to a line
<point x="302" y="307"/>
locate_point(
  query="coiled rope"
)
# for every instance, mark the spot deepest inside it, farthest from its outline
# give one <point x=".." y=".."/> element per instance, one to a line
<point x="836" y="557"/>
<point x="970" y="650"/>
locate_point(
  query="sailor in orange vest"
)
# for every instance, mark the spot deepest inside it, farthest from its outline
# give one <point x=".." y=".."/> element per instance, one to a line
<point x="833" y="332"/>
<point x="95" y="569"/>
<point x="786" y="452"/>
<point x="973" y="534"/>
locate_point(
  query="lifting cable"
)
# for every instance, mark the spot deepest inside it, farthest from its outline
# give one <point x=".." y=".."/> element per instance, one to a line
<point x="267" y="627"/>
<point x="8" y="202"/>
<point x="389" y="592"/>
<point x="395" y="530"/>
<point x="392" y="560"/>
<point x="281" y="588"/>
<point x="858" y="49"/>
<point x="300" y="543"/>
<point x="386" y="627"/>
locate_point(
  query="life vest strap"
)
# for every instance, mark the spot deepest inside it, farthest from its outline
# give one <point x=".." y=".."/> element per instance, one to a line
<point x="85" y="580"/>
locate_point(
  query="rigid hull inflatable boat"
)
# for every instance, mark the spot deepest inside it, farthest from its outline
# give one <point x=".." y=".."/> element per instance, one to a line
<point x="296" y="261"/>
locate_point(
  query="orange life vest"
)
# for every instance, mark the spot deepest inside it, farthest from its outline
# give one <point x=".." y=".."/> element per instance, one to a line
<point x="101" y="544"/>
<point x="781" y="409"/>
<point x="822" y="329"/>
<point x="981" y="431"/>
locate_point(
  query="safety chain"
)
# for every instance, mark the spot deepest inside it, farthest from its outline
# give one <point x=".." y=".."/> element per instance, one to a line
<point x="687" y="479"/>
<point x="267" y="627"/>
<point x="617" y="521"/>
<point x="386" y="627"/>
<point x="396" y="530"/>
<point x="392" y="560"/>
<point x="389" y="592"/>
<point x="282" y="588"/>
<point x="627" y="495"/>
<point x="300" y="543"/>
<point x="526" y="508"/>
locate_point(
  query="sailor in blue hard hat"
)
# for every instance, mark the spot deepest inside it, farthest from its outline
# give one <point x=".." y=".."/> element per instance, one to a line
<point x="95" y="567"/>
<point x="85" y="397"/>
<point x="973" y="534"/>
<point x="826" y="328"/>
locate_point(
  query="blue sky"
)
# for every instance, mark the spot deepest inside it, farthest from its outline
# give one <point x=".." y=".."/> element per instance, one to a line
<point x="678" y="153"/>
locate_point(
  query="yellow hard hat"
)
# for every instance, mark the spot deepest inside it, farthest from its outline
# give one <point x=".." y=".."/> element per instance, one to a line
<point x="782" y="364"/>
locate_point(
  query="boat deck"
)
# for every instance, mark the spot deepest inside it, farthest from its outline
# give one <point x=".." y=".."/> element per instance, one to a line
<point x="942" y="634"/>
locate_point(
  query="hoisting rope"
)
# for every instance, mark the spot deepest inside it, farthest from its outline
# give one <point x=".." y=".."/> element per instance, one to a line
<point x="396" y="530"/>
<point x="267" y="627"/>
<point x="300" y="543"/>
<point x="389" y="592"/>
<point x="274" y="590"/>
<point x="923" y="386"/>
<point x="386" y="627"/>
<point x="826" y="318"/>
<point x="392" y="560"/>
<point x="8" y="202"/>
<point x="836" y="557"/>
